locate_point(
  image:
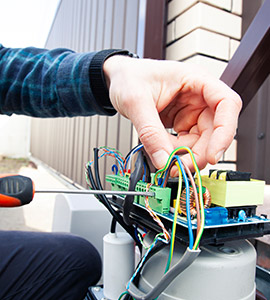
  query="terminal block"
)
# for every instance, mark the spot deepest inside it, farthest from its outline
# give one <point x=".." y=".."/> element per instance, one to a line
<point x="160" y="203"/>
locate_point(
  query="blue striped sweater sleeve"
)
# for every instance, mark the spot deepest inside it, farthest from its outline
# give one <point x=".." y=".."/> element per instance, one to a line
<point x="47" y="83"/>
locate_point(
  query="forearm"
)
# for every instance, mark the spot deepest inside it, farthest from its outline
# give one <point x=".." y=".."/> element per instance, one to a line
<point x="43" y="83"/>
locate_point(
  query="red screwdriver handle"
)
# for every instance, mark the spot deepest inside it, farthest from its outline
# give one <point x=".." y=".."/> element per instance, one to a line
<point x="15" y="190"/>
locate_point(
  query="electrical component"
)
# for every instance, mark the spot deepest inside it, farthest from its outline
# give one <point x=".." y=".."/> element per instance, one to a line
<point x="235" y="193"/>
<point x="229" y="175"/>
<point x="118" y="263"/>
<point x="193" y="211"/>
<point x="216" y="215"/>
<point x="135" y="176"/>
<point x="197" y="225"/>
<point x="160" y="203"/>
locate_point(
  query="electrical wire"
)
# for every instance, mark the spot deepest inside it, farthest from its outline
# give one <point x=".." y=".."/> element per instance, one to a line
<point x="175" y="217"/>
<point x="135" y="176"/>
<point x="159" y="174"/>
<point x="197" y="204"/>
<point x="123" y="294"/>
<point x="186" y="260"/>
<point x="155" y="216"/>
<point x="192" y="251"/>
<point x="113" y="225"/>
<point x="131" y="150"/>
<point x="156" y="239"/>
<point x="148" y="172"/>
<point x="167" y="173"/>
<point x="157" y="247"/>
<point x="144" y="171"/>
<point x="129" y="156"/>
<point x="104" y="200"/>
<point x="113" y="153"/>
<point x="96" y="167"/>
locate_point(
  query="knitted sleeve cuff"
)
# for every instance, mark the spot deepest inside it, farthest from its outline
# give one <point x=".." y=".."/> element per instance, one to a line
<point x="97" y="77"/>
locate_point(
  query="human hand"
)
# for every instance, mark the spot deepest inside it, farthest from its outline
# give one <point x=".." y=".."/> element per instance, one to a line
<point x="156" y="95"/>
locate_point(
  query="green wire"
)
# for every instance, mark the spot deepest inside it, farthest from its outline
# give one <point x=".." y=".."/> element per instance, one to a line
<point x="113" y="149"/>
<point x="123" y="294"/>
<point x="199" y="236"/>
<point x="175" y="218"/>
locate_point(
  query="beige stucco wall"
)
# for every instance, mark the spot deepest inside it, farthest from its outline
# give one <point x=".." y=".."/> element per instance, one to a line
<point x="206" y="33"/>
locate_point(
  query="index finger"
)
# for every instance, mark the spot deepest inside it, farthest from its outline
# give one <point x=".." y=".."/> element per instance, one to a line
<point x="226" y="113"/>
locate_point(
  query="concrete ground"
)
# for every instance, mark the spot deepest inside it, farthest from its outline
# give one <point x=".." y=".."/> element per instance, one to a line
<point x="38" y="215"/>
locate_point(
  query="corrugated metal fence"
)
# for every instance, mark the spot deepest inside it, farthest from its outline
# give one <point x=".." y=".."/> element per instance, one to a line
<point x="87" y="25"/>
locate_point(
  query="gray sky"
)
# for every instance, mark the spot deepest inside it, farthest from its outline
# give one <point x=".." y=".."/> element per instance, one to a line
<point x="26" y="22"/>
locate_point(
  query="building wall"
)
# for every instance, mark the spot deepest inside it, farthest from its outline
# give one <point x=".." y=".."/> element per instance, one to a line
<point x="206" y="33"/>
<point x="15" y="136"/>
<point x="203" y="32"/>
<point x="66" y="144"/>
<point x="255" y="135"/>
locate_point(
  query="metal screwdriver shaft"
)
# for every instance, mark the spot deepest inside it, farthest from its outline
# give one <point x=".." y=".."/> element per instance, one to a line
<point x="97" y="192"/>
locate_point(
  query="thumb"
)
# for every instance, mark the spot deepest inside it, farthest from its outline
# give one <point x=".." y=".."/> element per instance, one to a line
<point x="151" y="132"/>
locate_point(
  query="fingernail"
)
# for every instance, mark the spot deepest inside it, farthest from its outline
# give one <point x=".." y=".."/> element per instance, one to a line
<point x="160" y="158"/>
<point x="218" y="155"/>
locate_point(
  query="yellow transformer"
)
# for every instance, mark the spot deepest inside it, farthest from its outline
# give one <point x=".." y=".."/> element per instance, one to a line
<point x="235" y="193"/>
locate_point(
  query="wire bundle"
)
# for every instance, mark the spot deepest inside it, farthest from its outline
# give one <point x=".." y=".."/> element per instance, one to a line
<point x="194" y="205"/>
<point x="155" y="216"/>
<point x="95" y="183"/>
<point x="161" y="178"/>
<point x="107" y="151"/>
<point x="128" y="159"/>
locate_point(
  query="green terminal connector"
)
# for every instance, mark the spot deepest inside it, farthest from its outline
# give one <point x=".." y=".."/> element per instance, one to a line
<point x="160" y="203"/>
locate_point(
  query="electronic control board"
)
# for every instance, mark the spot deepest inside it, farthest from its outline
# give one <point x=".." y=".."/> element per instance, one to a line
<point x="234" y="220"/>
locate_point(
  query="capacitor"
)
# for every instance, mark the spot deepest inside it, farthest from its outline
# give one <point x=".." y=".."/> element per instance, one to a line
<point x="118" y="263"/>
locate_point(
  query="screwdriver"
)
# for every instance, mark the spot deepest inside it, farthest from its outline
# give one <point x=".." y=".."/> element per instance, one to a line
<point x="18" y="190"/>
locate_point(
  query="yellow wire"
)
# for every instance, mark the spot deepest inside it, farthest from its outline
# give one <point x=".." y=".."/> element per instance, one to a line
<point x="198" y="237"/>
<point x="176" y="208"/>
<point x="161" y="171"/>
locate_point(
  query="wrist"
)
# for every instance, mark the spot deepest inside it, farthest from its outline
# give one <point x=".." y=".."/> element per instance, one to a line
<point x="99" y="78"/>
<point x="112" y="64"/>
<point x="110" y="67"/>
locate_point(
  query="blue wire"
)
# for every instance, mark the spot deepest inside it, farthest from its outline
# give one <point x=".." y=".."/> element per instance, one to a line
<point x="141" y="263"/>
<point x="165" y="175"/>
<point x="115" y="169"/>
<point x="117" y="156"/>
<point x="136" y="234"/>
<point x="190" y="233"/>
<point x="144" y="174"/>
<point x="134" y="151"/>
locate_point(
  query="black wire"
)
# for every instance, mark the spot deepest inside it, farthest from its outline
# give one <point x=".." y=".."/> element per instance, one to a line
<point x="96" y="167"/>
<point x="128" y="297"/>
<point x="134" y="178"/>
<point x="129" y="228"/>
<point x="132" y="151"/>
<point x="113" y="225"/>
<point x="104" y="200"/>
<point x="148" y="172"/>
